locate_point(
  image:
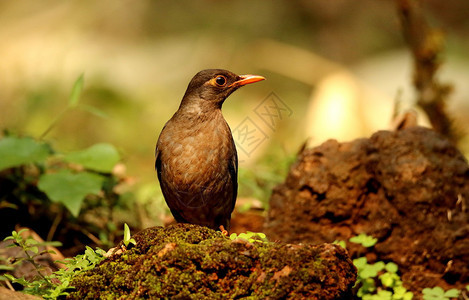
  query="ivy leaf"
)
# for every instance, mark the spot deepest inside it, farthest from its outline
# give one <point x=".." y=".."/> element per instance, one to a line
<point x="69" y="188"/>
<point x="99" y="157"/>
<point x="16" y="151"/>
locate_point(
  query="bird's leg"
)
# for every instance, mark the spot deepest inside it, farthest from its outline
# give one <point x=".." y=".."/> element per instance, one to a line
<point x="223" y="230"/>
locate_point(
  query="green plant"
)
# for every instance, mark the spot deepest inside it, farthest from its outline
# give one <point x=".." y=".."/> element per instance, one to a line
<point x="60" y="182"/>
<point x="40" y="178"/>
<point x="250" y="237"/>
<point x="76" y="191"/>
<point x="342" y="244"/>
<point x="127" y="239"/>
<point x="378" y="281"/>
<point x="56" y="284"/>
<point x="65" y="185"/>
<point x="364" y="240"/>
<point x="4" y="267"/>
<point x="73" y="102"/>
<point x="31" y="250"/>
<point x="437" y="293"/>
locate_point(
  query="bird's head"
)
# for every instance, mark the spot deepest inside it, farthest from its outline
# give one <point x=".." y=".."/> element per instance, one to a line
<point x="215" y="85"/>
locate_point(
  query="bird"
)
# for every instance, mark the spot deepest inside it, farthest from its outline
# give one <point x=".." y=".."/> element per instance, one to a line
<point x="195" y="157"/>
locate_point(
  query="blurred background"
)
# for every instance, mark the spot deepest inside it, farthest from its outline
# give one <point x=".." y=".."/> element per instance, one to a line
<point x="334" y="69"/>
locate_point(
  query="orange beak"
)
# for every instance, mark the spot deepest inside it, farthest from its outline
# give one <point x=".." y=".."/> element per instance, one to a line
<point x="246" y="79"/>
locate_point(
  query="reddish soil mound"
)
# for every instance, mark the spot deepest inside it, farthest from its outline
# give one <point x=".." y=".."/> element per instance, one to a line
<point x="409" y="188"/>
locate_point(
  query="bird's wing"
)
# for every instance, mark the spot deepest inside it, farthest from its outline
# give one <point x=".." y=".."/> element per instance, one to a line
<point x="233" y="170"/>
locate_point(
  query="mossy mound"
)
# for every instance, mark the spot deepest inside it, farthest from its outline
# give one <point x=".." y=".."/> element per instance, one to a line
<point x="192" y="262"/>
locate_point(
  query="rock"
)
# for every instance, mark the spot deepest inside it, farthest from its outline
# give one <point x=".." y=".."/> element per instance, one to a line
<point x="409" y="189"/>
<point x="185" y="261"/>
<point x="6" y="294"/>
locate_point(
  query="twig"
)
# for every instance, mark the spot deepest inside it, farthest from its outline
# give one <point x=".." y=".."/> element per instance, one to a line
<point x="426" y="45"/>
<point x="54" y="225"/>
<point x="54" y="123"/>
<point x="10" y="287"/>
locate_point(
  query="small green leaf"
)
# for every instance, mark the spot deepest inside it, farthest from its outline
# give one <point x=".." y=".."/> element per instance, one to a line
<point x="10" y="277"/>
<point x="452" y="293"/>
<point x="100" y="251"/>
<point x="360" y="262"/>
<point x="95" y="111"/>
<point x="399" y="291"/>
<point x="340" y="243"/>
<point x="384" y="295"/>
<point x="99" y="157"/>
<point x="15" y="151"/>
<point x="126" y="233"/>
<point x="391" y="267"/>
<point x="6" y="268"/>
<point x="250" y="237"/>
<point x="370" y="271"/>
<point x="51" y="243"/>
<point x="30" y="241"/>
<point x="18" y="260"/>
<point x="388" y="279"/>
<point x="127" y="239"/>
<point x="364" y="240"/>
<point x="432" y="292"/>
<point x="368" y="286"/>
<point x="76" y="91"/>
<point x="408" y="296"/>
<point x="69" y="188"/>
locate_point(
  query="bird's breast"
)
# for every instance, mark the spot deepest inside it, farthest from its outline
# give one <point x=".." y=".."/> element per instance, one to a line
<point x="197" y="156"/>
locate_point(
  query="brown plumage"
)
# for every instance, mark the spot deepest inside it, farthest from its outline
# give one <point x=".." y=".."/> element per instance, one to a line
<point x="196" y="157"/>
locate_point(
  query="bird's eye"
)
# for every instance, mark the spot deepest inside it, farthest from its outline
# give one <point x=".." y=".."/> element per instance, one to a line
<point x="220" y="80"/>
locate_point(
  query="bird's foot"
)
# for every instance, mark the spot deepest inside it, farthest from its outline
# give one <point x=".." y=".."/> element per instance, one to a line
<point x="223" y="230"/>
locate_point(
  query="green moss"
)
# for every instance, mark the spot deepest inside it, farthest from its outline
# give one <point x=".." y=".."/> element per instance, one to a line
<point x="191" y="262"/>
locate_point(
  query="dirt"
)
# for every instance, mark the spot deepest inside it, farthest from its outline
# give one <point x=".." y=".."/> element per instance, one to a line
<point x="409" y="189"/>
<point x="251" y="220"/>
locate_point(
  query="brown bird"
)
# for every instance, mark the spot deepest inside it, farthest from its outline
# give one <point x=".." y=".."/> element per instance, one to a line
<point x="196" y="157"/>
